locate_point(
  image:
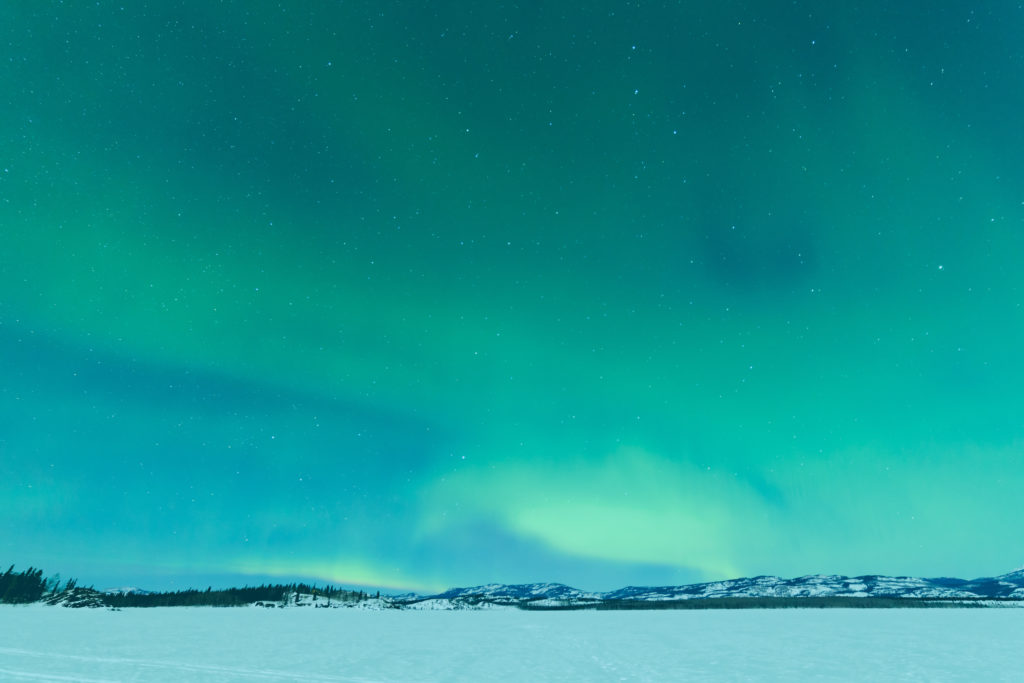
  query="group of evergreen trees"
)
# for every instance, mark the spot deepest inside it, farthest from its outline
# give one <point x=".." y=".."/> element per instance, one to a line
<point x="232" y="597"/>
<point x="28" y="586"/>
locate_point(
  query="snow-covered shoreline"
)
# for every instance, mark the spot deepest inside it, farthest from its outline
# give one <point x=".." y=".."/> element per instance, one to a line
<point x="817" y="590"/>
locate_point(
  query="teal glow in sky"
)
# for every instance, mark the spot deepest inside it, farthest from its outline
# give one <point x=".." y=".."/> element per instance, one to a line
<point x="416" y="295"/>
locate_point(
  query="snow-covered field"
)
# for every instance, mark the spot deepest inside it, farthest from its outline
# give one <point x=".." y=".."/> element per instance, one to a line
<point x="40" y="643"/>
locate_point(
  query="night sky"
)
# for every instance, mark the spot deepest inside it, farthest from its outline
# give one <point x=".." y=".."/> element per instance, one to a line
<point x="415" y="295"/>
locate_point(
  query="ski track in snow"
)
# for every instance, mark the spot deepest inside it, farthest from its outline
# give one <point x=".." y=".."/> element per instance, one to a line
<point x="140" y="665"/>
<point x="11" y="675"/>
<point x="56" y="644"/>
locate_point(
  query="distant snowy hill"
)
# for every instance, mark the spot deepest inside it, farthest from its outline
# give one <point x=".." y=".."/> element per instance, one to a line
<point x="821" y="586"/>
<point x="1016" y="576"/>
<point x="556" y="595"/>
<point x="126" y="590"/>
<point x="832" y="586"/>
<point x="513" y="594"/>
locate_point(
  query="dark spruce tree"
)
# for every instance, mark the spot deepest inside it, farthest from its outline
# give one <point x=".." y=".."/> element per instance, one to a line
<point x="22" y="587"/>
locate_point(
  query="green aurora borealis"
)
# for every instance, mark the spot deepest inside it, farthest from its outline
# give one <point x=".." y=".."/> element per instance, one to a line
<point x="428" y="294"/>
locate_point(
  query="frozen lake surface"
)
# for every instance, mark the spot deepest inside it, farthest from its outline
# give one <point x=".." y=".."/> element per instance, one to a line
<point x="252" y="644"/>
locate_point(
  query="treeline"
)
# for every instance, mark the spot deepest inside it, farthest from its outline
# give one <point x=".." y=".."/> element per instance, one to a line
<point x="234" y="597"/>
<point x="764" y="603"/>
<point x="28" y="586"/>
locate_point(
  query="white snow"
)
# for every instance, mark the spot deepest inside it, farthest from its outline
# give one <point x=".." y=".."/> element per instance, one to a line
<point x="39" y="643"/>
<point x="433" y="604"/>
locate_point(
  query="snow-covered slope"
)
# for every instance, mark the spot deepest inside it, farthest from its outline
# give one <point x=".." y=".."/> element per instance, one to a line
<point x="76" y="597"/>
<point x="519" y="593"/>
<point x="126" y="590"/>
<point x="555" y="594"/>
<point x="805" y="586"/>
